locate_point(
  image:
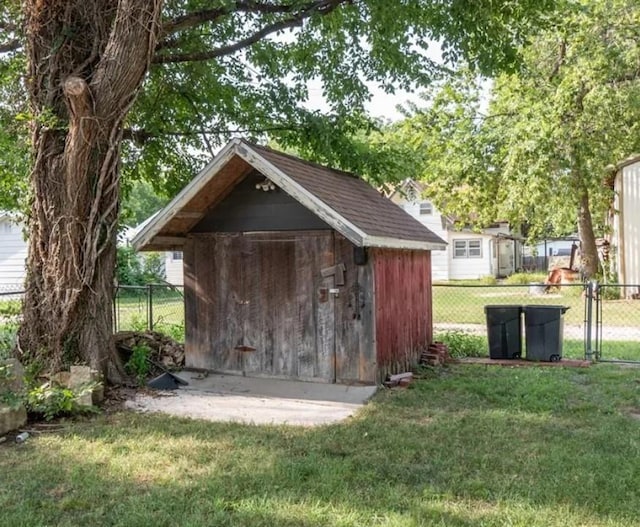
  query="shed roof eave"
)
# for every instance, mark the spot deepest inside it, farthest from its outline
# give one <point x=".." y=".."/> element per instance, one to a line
<point x="383" y="242"/>
<point x="632" y="159"/>
<point x="145" y="237"/>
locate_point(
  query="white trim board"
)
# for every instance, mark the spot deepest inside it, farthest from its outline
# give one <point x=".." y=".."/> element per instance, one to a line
<point x="237" y="147"/>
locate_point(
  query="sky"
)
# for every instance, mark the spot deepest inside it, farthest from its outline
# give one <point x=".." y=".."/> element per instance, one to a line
<point x="381" y="104"/>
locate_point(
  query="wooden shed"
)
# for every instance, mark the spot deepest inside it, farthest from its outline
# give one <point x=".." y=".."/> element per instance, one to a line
<point x="294" y="270"/>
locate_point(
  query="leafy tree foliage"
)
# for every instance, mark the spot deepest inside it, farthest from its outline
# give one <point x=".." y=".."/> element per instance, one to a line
<point x="541" y="153"/>
<point x="135" y="269"/>
<point x="140" y="201"/>
<point x="173" y="80"/>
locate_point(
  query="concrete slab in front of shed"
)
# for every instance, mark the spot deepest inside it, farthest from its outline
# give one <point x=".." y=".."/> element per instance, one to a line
<point x="257" y="400"/>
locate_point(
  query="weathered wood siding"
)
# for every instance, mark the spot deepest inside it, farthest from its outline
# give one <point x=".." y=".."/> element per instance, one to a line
<point x="354" y="316"/>
<point x="246" y="209"/>
<point x="260" y="292"/>
<point x="403" y="308"/>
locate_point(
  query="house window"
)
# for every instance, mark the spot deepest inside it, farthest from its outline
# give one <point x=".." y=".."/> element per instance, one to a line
<point x="467" y="248"/>
<point x="176" y="255"/>
<point x="426" y="208"/>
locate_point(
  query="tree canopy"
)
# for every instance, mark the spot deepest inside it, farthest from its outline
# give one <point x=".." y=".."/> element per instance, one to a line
<point x="155" y="86"/>
<point x="539" y="151"/>
<point x="242" y="67"/>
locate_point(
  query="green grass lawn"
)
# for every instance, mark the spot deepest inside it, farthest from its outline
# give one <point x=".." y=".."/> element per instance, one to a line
<point x="131" y="310"/>
<point x="465" y="304"/>
<point x="464" y="446"/>
<point x="465" y="345"/>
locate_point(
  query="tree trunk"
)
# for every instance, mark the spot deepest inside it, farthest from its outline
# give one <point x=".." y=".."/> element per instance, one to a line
<point x="87" y="59"/>
<point x="588" y="250"/>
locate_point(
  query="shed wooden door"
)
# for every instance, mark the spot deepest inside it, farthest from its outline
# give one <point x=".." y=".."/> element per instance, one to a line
<point x="286" y="321"/>
<point x="271" y="318"/>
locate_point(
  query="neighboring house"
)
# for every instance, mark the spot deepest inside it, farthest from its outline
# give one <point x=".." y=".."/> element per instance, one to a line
<point x="172" y="259"/>
<point x="625" y="222"/>
<point x="295" y="270"/>
<point x="556" y="246"/>
<point x="495" y="251"/>
<point x="173" y="267"/>
<point x="552" y="253"/>
<point x="13" y="253"/>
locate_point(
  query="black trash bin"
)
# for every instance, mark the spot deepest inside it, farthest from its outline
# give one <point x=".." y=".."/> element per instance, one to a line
<point x="504" y="330"/>
<point x="544" y="331"/>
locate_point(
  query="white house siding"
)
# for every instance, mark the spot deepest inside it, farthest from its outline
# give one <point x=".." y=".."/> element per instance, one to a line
<point x="13" y="253"/>
<point x="554" y="247"/>
<point x="173" y="268"/>
<point x="627" y="237"/>
<point x="433" y="221"/>
<point x="470" y="267"/>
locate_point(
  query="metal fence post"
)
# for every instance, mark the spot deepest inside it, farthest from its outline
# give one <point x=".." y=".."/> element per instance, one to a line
<point x="588" y="323"/>
<point x="116" y="311"/>
<point x="150" y="306"/>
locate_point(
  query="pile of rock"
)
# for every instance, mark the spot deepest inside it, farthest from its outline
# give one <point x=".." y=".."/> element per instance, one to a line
<point x="77" y="379"/>
<point x="164" y="350"/>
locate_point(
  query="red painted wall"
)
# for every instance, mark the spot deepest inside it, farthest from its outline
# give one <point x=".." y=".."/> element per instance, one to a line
<point x="403" y="319"/>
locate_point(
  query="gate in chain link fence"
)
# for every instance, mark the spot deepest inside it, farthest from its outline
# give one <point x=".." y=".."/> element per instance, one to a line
<point x="599" y="324"/>
<point x="615" y="333"/>
<point x="158" y="307"/>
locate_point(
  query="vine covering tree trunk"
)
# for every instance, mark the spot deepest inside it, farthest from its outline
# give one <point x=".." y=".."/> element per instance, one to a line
<point x="86" y="61"/>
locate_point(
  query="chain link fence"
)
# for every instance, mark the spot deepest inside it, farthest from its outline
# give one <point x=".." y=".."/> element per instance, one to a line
<point x="603" y="320"/>
<point x="11" y="291"/>
<point x="157" y="307"/>
<point x="616" y="333"/>
<point x="599" y="324"/>
<point x="458" y="310"/>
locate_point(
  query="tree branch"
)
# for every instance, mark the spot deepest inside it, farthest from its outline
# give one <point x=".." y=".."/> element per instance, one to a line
<point x="142" y="136"/>
<point x="192" y="19"/>
<point x="210" y="15"/>
<point x="8" y="26"/>
<point x="11" y="45"/>
<point x="323" y="7"/>
<point x="630" y="76"/>
<point x="562" y="52"/>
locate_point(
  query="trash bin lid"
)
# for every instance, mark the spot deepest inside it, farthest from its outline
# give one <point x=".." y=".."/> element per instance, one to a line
<point x="563" y="309"/>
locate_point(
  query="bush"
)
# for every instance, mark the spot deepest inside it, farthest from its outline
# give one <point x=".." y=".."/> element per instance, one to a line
<point x="50" y="400"/>
<point x="175" y="331"/>
<point x="138" y="365"/>
<point x="462" y="344"/>
<point x="525" y="278"/>
<point x="609" y="292"/>
<point x="488" y="280"/>
<point x="7" y="396"/>
<point x="8" y="334"/>
<point x="10" y="308"/>
<point x="133" y="269"/>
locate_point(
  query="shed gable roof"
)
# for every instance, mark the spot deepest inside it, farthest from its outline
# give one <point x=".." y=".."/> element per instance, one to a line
<point x="345" y="202"/>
